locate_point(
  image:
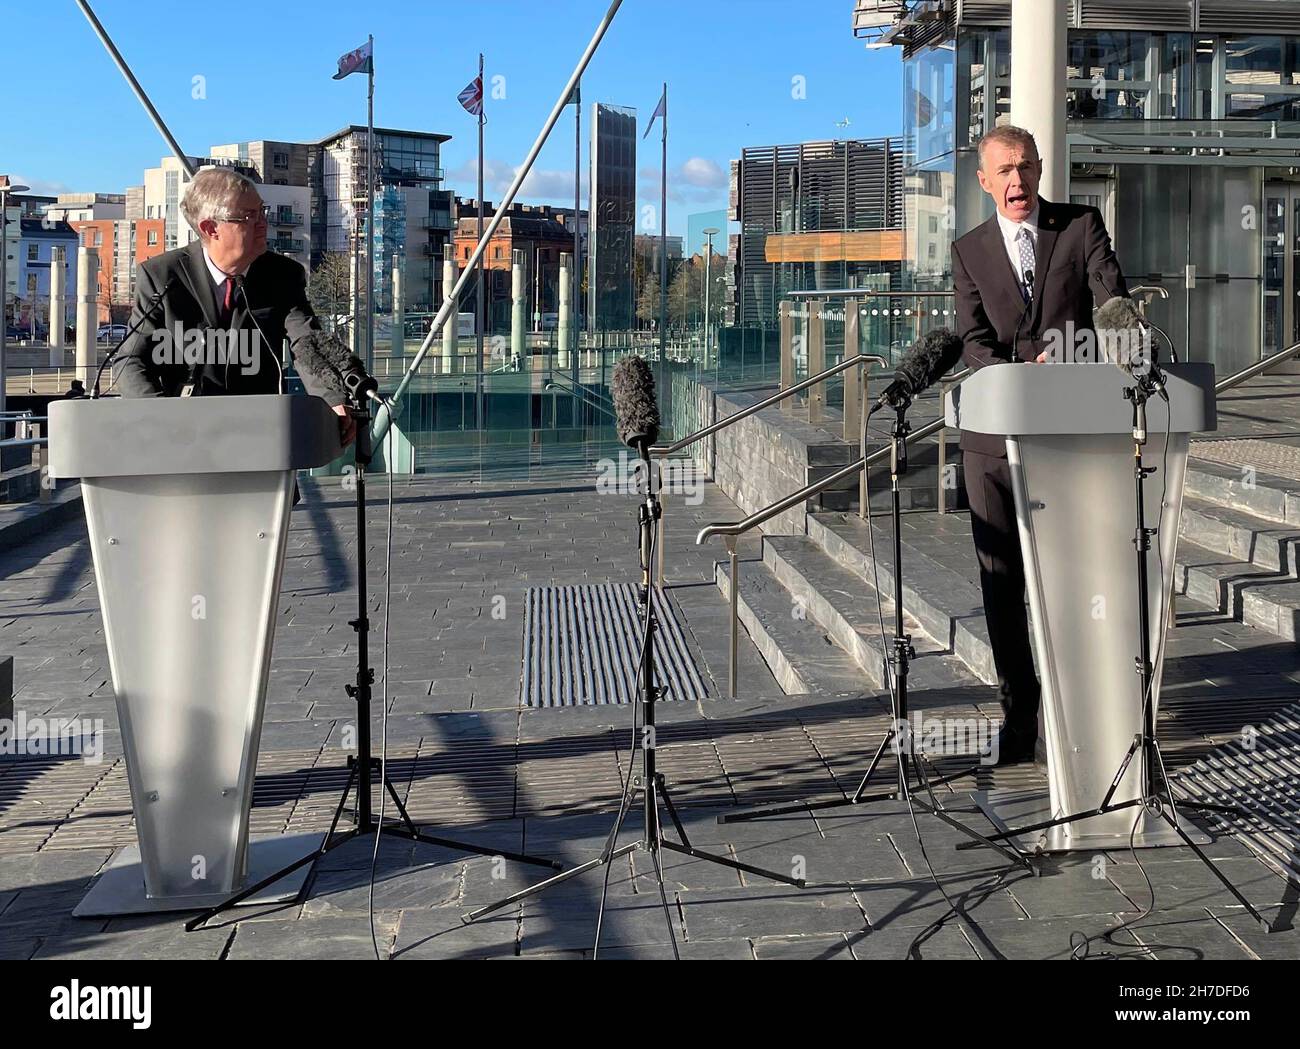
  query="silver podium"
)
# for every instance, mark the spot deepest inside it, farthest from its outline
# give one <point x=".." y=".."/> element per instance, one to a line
<point x="187" y="505"/>
<point x="1070" y="446"/>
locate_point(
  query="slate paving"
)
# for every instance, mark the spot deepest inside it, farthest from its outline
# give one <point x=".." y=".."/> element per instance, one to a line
<point x="471" y="765"/>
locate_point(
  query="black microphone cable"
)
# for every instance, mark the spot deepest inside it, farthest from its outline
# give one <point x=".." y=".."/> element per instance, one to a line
<point x="894" y="712"/>
<point x="626" y="781"/>
<point x="241" y="284"/>
<point x="1079" y="942"/>
<point x="144" y="316"/>
<point x="383" y="714"/>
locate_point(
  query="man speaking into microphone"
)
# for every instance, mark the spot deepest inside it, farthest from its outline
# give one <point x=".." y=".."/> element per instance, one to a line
<point x="1023" y="279"/>
<point x="210" y="318"/>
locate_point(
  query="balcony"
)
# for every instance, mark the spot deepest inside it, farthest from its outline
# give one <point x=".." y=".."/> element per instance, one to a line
<point x="286" y="218"/>
<point x="288" y="245"/>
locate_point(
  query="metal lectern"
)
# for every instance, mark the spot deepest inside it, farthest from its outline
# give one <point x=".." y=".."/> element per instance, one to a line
<point x="187" y="504"/>
<point x="1070" y="446"/>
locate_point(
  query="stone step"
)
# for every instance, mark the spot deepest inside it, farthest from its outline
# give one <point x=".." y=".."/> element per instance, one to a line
<point x="1257" y="596"/>
<point x="1265" y="495"/>
<point x="845" y="606"/>
<point x="1240" y="535"/>
<point x="947" y="605"/>
<point x="801" y="656"/>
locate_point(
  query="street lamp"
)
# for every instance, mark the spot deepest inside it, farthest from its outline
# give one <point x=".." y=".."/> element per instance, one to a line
<point x="710" y="232"/>
<point x="6" y="187"/>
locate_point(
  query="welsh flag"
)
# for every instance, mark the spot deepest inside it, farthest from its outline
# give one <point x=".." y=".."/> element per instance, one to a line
<point x="359" y="61"/>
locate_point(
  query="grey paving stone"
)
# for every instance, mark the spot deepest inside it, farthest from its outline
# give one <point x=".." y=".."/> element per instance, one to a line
<point x="440" y="933"/>
<point x="312" y="938"/>
<point x="344" y="892"/>
<point x="151" y="940"/>
<point x="834" y="948"/>
<point x="1175" y="935"/>
<point x="917" y="901"/>
<point x="947" y="942"/>
<point x="1053" y="939"/>
<point x="762" y="911"/>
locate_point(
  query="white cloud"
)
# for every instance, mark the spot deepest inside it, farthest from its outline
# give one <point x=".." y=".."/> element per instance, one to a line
<point x="42" y="187"/>
<point x="703" y="173"/>
<point x="552" y="185"/>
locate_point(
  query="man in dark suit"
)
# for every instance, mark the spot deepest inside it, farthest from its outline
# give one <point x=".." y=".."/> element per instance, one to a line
<point x="229" y="305"/>
<point x="1026" y="283"/>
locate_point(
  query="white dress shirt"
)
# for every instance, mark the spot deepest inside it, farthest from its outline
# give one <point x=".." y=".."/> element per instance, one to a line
<point x="1010" y="231"/>
<point x="218" y="275"/>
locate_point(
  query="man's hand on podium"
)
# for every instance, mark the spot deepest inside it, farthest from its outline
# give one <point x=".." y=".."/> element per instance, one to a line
<point x="347" y="424"/>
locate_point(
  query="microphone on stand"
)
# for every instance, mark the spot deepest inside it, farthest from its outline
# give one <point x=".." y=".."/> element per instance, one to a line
<point x="636" y="414"/>
<point x="922" y="366"/>
<point x="1120" y="329"/>
<point x="326" y="354"/>
<point x="635" y="409"/>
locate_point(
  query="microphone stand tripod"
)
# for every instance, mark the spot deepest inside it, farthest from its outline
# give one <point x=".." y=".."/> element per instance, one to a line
<point x="902" y="653"/>
<point x="1157" y="794"/>
<point x="362" y="765"/>
<point x="650" y="782"/>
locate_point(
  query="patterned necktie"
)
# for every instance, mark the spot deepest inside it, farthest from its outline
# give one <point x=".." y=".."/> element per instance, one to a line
<point x="1027" y="260"/>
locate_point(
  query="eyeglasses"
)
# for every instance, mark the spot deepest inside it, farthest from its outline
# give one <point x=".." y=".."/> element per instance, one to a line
<point x="263" y="213"/>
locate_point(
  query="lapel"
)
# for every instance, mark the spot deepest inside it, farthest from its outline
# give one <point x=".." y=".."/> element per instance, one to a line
<point x="1049" y="228"/>
<point x="997" y="249"/>
<point x="199" y="280"/>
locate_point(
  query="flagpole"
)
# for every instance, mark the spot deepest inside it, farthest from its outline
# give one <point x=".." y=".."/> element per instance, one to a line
<point x="575" y="297"/>
<point x="481" y="319"/>
<point x="384" y="415"/>
<point x="370" y="215"/>
<point x="663" y="257"/>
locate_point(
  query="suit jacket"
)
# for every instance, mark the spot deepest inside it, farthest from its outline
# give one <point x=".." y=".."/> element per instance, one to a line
<point x="275" y="287"/>
<point x="1075" y="269"/>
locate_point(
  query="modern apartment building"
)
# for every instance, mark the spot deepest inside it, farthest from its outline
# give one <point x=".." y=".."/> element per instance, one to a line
<point x="413" y="213"/>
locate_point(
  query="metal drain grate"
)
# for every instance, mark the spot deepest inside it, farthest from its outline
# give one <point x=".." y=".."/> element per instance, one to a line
<point x="1269" y="456"/>
<point x="1260" y="780"/>
<point x="581" y="645"/>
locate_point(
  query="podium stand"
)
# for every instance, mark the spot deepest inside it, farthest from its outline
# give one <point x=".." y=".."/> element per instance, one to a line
<point x="187" y="505"/>
<point x="1069" y="431"/>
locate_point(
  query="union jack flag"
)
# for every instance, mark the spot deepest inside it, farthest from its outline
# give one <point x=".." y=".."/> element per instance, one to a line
<point x="472" y="97"/>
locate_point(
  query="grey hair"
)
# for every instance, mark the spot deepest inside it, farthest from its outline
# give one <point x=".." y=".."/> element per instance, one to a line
<point x="211" y="194"/>
<point x="1009" y="135"/>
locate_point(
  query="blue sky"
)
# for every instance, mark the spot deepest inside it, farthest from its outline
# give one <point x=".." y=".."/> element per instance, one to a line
<point x="731" y="67"/>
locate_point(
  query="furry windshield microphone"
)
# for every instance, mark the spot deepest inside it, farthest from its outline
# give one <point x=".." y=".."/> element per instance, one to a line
<point x="637" y="414"/>
<point x="324" y="354"/>
<point x="1125" y="341"/>
<point x="934" y="353"/>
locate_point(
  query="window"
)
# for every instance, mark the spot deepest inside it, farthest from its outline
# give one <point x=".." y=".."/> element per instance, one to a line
<point x="153" y="237"/>
<point x="280" y="160"/>
<point x="33" y="252"/>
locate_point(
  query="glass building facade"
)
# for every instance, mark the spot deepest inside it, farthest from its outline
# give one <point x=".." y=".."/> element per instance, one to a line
<point x="1185" y="135"/>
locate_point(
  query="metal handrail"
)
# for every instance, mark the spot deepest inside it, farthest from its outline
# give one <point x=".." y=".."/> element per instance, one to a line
<point x="662" y="451"/>
<point x="737" y="528"/>
<point x="1255" y="369"/>
<point x="866" y="293"/>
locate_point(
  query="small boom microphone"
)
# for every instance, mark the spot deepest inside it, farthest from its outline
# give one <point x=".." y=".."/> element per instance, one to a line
<point x="635" y="408"/>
